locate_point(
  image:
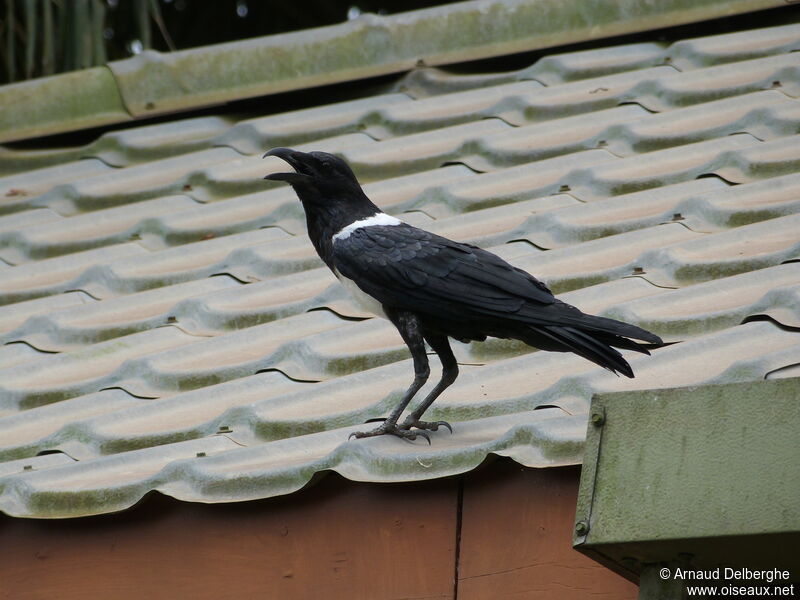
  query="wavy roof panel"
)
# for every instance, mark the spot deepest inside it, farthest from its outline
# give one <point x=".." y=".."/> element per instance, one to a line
<point x="167" y="326"/>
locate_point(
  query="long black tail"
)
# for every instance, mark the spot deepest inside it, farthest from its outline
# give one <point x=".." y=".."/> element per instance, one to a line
<point x="595" y="339"/>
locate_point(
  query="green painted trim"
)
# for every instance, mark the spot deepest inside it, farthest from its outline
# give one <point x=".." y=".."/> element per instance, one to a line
<point x="154" y="83"/>
<point x="691" y="472"/>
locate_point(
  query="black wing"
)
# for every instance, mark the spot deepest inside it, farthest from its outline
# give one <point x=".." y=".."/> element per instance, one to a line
<point x="409" y="268"/>
<point x="405" y="267"/>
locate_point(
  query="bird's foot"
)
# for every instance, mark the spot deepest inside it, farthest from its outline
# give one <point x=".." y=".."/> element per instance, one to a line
<point x="385" y="429"/>
<point x="429" y="425"/>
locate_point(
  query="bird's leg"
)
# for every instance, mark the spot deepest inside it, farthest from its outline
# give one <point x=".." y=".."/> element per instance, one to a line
<point x="410" y="330"/>
<point x="440" y="345"/>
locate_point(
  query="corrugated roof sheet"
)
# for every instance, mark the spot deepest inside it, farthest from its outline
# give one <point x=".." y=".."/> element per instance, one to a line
<point x="167" y="325"/>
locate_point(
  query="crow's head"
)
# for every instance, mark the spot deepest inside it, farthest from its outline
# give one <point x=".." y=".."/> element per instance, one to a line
<point x="317" y="176"/>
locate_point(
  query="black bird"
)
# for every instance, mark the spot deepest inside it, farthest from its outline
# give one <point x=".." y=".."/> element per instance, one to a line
<point x="432" y="288"/>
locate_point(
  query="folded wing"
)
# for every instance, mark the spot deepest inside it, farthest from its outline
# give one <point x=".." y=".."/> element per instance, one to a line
<point x="409" y="268"/>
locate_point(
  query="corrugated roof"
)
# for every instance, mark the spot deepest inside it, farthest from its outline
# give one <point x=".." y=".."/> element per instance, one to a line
<point x="167" y="325"/>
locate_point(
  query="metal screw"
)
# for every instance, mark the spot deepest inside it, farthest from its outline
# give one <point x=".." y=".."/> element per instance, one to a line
<point x="598" y="419"/>
<point x="581" y="528"/>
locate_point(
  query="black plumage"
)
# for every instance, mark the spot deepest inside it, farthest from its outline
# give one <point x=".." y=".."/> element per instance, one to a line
<point x="432" y="288"/>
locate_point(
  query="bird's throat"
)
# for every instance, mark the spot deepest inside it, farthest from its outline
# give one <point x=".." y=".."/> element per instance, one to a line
<point x="324" y="220"/>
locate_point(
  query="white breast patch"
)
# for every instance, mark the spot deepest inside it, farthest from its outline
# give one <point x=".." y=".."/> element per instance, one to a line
<point x="360" y="297"/>
<point x="376" y="219"/>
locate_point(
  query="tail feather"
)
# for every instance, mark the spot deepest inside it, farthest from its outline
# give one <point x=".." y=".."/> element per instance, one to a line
<point x="563" y="328"/>
<point x="617" y="341"/>
<point x="615" y="328"/>
<point x="589" y="347"/>
<point x="565" y="315"/>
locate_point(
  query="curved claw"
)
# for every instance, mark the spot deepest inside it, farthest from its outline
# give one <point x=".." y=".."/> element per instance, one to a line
<point x="403" y="433"/>
<point x="429" y="425"/>
<point x="444" y="424"/>
<point x="415" y="434"/>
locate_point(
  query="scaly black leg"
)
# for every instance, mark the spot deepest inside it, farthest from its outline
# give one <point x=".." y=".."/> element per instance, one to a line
<point x="410" y="329"/>
<point x="440" y="345"/>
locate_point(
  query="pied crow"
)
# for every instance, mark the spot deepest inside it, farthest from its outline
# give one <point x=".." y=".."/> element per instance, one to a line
<point x="432" y="288"/>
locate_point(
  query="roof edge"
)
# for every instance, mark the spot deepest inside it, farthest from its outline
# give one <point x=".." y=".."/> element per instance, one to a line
<point x="155" y="83"/>
<point x="59" y="103"/>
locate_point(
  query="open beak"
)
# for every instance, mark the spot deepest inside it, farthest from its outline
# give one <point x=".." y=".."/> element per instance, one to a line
<point x="295" y="160"/>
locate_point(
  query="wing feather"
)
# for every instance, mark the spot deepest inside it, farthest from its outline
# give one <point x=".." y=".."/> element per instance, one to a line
<point x="409" y="268"/>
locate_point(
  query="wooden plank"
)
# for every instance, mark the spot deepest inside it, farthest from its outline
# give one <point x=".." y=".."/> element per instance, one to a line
<point x="335" y="540"/>
<point x="516" y="539"/>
